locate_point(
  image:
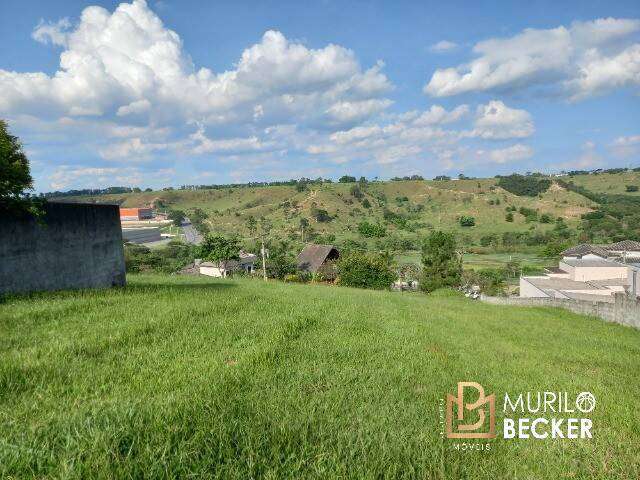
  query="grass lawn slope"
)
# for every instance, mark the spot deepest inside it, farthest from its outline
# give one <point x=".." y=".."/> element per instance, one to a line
<point x="175" y="376"/>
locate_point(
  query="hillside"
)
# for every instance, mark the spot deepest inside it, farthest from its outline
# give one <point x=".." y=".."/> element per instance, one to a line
<point x="412" y="207"/>
<point x="175" y="377"/>
<point x="609" y="183"/>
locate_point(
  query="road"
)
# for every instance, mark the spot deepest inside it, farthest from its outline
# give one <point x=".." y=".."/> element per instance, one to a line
<point x="191" y="235"/>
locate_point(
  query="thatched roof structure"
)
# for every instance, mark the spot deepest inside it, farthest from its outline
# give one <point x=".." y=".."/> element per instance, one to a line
<point x="314" y="256"/>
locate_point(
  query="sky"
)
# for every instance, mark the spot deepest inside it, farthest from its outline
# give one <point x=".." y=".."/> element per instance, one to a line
<point x="168" y="93"/>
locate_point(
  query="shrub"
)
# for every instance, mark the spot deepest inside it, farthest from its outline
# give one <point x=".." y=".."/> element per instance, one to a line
<point x="632" y="188"/>
<point x="545" y="218"/>
<point x="365" y="270"/>
<point x="320" y="215"/>
<point x="467" y="221"/>
<point x="370" y="230"/>
<point x="366" y="203"/>
<point x="509" y="217"/>
<point x="528" y="186"/>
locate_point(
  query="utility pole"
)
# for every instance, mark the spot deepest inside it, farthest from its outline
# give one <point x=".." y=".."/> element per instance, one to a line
<point x="264" y="265"/>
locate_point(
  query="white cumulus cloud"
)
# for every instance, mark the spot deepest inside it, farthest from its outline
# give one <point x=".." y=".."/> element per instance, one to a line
<point x="581" y="60"/>
<point x="496" y="121"/>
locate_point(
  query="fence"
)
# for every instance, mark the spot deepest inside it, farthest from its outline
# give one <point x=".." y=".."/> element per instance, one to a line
<point x="624" y="309"/>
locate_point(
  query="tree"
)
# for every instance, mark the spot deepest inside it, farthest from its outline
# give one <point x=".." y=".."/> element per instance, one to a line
<point x="15" y="176"/>
<point x="304" y="224"/>
<point x="176" y="217"/>
<point x="220" y="250"/>
<point x="441" y="265"/>
<point x="365" y="270"/>
<point x="252" y="225"/>
<point x="281" y="261"/>
<point x="347" y="179"/>
<point x="301" y="185"/>
<point x="356" y="192"/>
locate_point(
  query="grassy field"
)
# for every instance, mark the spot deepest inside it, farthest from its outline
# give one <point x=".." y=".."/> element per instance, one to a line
<point x="607" y="182"/>
<point x="428" y="205"/>
<point x="177" y="376"/>
<point x="477" y="261"/>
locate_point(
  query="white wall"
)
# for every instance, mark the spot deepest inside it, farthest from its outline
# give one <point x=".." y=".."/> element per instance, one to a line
<point x="212" y="271"/>
<point x="527" y="290"/>
<point x="584" y="274"/>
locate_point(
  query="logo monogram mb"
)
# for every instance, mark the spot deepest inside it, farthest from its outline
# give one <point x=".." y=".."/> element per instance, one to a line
<point x="482" y="405"/>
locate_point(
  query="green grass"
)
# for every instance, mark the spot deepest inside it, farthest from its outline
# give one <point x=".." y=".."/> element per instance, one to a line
<point x="607" y="182"/>
<point x="476" y="261"/>
<point x="175" y="377"/>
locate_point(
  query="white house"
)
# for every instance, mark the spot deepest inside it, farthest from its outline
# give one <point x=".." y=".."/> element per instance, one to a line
<point x="214" y="269"/>
<point x="587" y="270"/>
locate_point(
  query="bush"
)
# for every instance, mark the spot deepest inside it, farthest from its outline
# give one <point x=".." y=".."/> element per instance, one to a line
<point x="467" y="221"/>
<point x="545" y="218"/>
<point x="321" y="215"/>
<point x="527" y="186"/>
<point x="632" y="188"/>
<point x="366" y="203"/>
<point x="370" y="230"/>
<point x="365" y="270"/>
<point x="509" y="217"/>
<point x="169" y="259"/>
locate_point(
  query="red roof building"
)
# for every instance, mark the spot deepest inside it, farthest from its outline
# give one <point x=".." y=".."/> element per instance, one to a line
<point x="135" y="213"/>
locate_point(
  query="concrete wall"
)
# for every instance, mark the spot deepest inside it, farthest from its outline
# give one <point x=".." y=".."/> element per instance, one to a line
<point x="624" y="309"/>
<point x="75" y="246"/>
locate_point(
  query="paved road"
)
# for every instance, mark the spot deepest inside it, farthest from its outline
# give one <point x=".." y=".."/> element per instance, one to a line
<point x="191" y="235"/>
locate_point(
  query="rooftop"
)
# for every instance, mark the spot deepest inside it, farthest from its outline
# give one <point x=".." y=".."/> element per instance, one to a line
<point x="585" y="249"/>
<point x="551" y="283"/>
<point x="622" y="246"/>
<point x="579" y="262"/>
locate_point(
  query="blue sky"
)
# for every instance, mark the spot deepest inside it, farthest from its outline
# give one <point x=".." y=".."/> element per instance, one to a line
<point x="170" y="93"/>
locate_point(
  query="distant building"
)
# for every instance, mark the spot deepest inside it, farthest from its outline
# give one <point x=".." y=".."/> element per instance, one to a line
<point x="138" y="213"/>
<point x="313" y="256"/>
<point x="215" y="269"/>
<point x="589" y="271"/>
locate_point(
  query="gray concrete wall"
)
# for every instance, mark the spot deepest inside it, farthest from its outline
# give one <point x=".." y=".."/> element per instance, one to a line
<point x="624" y="309"/>
<point x="76" y="246"/>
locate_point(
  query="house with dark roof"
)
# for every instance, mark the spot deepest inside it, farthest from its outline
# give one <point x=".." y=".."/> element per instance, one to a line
<point x="313" y="256"/>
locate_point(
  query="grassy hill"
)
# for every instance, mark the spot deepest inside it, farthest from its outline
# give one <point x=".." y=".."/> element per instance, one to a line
<point x="423" y="205"/>
<point x="609" y="183"/>
<point x="174" y="377"/>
